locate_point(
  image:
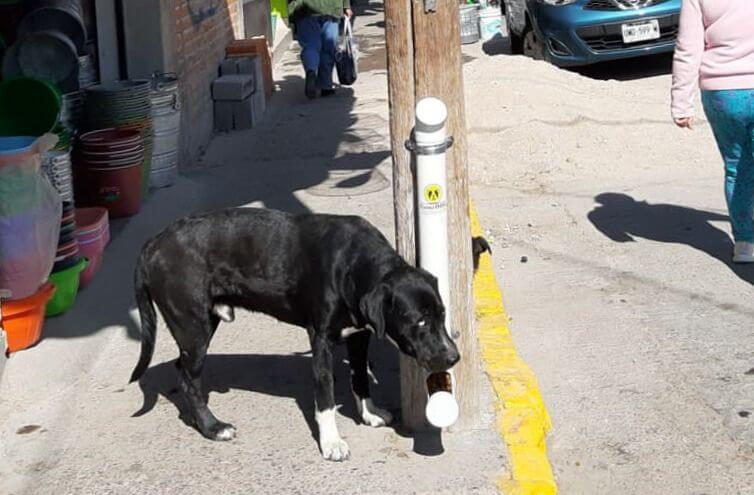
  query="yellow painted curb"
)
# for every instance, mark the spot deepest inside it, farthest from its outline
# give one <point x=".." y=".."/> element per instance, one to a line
<point x="522" y="418"/>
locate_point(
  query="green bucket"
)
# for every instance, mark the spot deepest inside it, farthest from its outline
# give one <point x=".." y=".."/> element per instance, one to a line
<point x="28" y="107"/>
<point x="66" y="283"/>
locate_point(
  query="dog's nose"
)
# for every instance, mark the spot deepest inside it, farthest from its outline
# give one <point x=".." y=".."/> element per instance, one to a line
<point x="445" y="360"/>
<point x="453" y="356"/>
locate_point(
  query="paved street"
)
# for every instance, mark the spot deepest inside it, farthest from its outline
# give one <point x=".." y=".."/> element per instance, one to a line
<point x="612" y="247"/>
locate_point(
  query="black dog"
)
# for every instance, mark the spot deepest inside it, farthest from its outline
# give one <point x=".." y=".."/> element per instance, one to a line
<point x="333" y="275"/>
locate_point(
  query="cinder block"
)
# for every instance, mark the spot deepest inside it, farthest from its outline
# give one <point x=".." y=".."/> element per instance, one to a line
<point x="229" y="66"/>
<point x="235" y="115"/>
<point x="224" y="116"/>
<point x="260" y="100"/>
<point x="232" y="87"/>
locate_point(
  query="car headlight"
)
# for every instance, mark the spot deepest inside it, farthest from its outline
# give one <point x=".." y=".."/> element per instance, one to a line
<point x="557" y="2"/>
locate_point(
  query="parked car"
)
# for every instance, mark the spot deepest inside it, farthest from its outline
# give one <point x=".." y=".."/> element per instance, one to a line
<point x="583" y="32"/>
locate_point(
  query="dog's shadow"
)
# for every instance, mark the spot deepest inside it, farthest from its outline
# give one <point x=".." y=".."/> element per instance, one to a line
<point x="276" y="375"/>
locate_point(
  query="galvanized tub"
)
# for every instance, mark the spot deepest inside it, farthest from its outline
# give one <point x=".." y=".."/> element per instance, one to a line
<point x="55" y="15"/>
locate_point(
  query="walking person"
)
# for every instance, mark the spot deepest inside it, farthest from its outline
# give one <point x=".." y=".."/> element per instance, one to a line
<point x="317" y="27"/>
<point x="715" y="52"/>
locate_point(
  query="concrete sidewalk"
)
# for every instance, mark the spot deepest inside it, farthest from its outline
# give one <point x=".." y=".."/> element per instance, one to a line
<point x="67" y="412"/>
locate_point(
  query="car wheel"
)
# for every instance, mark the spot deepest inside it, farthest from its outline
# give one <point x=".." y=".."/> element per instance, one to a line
<point x="516" y="41"/>
<point x="532" y="45"/>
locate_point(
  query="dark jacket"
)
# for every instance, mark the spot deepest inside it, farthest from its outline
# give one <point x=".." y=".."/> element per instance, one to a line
<point x="301" y="8"/>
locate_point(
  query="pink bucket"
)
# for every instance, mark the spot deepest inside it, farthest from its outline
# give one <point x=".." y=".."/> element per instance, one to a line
<point x="93" y="234"/>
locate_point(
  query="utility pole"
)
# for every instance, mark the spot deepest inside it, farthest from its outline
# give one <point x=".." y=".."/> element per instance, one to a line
<point x="424" y="59"/>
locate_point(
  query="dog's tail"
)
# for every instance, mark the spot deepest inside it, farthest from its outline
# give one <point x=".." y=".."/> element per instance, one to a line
<point x="148" y="319"/>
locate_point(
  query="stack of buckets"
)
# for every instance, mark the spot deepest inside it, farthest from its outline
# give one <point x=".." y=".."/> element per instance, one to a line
<point x="93" y="235"/>
<point x="166" y="116"/>
<point x="25" y="229"/>
<point x="68" y="265"/>
<point x="125" y="105"/>
<point x="109" y="170"/>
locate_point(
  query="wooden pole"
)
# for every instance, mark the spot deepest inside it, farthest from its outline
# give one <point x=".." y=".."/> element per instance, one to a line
<point x="424" y="59"/>
<point x="400" y="54"/>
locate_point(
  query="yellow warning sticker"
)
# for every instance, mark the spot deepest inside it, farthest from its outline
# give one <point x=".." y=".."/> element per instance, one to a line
<point x="433" y="193"/>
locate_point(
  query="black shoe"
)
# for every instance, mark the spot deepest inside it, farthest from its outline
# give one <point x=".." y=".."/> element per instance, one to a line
<point x="311" y="84"/>
<point x="327" y="92"/>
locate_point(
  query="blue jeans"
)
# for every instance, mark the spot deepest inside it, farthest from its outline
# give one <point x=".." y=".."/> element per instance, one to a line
<point x="318" y="36"/>
<point x="731" y="115"/>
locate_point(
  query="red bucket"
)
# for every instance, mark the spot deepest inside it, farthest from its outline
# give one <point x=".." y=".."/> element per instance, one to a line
<point x="116" y="188"/>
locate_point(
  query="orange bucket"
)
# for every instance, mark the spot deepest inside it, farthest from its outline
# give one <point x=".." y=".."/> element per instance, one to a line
<point x="22" y="320"/>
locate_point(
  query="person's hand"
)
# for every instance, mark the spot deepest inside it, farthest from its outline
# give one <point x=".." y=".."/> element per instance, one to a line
<point x="349" y="12"/>
<point x="685" y="122"/>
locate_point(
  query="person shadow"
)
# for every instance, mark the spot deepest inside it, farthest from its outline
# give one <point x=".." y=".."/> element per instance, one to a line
<point x="621" y="218"/>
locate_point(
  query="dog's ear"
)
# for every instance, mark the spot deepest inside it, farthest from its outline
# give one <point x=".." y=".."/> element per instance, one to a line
<point x="479" y="245"/>
<point x="373" y="307"/>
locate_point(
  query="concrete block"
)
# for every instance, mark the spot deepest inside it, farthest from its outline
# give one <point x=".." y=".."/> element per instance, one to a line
<point x="229" y="66"/>
<point x="233" y="87"/>
<point x="235" y="115"/>
<point x="260" y="99"/>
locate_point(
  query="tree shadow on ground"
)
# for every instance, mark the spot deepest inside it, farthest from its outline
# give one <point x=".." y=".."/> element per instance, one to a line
<point x="621" y="218"/>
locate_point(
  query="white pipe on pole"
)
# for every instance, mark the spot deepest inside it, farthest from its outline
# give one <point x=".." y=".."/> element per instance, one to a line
<point x="430" y="144"/>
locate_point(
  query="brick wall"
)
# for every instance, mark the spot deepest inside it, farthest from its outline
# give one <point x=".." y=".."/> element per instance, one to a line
<point x="203" y="28"/>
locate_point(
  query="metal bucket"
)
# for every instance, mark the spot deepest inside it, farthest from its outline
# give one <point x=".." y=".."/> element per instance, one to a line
<point x="164" y="177"/>
<point x="55" y="15"/>
<point x="166" y="160"/>
<point x="165" y="142"/>
<point x="166" y="116"/>
<point x="48" y="55"/>
<point x="469" y="18"/>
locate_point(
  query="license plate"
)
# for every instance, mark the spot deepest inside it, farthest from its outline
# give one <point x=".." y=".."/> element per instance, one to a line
<point x="641" y="31"/>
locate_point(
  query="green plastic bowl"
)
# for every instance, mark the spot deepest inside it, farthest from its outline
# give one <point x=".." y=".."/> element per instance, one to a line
<point x="28" y="107"/>
<point x="66" y="283"/>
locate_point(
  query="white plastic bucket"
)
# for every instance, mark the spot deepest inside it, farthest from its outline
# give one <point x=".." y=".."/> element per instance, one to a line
<point x="490" y="23"/>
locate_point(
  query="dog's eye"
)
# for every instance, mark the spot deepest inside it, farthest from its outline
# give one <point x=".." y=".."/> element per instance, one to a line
<point x="422" y="323"/>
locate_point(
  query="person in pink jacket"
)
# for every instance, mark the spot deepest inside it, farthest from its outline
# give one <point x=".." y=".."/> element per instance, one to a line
<point x="715" y="52"/>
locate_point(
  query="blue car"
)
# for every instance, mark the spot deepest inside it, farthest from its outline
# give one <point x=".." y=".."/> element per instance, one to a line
<point x="581" y="32"/>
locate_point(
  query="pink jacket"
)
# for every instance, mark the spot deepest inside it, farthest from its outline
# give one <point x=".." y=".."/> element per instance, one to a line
<point x="715" y="50"/>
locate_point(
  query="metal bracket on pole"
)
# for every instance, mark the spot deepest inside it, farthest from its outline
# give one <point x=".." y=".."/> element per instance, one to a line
<point x="435" y="149"/>
<point x="430" y="6"/>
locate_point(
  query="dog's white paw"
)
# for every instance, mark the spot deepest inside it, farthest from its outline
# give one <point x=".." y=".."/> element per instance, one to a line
<point x="335" y="450"/>
<point x="225" y="433"/>
<point x="372" y="415"/>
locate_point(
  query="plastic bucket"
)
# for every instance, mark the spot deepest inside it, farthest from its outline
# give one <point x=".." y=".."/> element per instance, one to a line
<point x="490" y="23"/>
<point x="66" y="283"/>
<point x="90" y="220"/>
<point x="469" y="18"/>
<point x="93" y="249"/>
<point x="28" y="107"/>
<point x="23" y="319"/>
<point x="119" y="189"/>
<point x="10" y="146"/>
